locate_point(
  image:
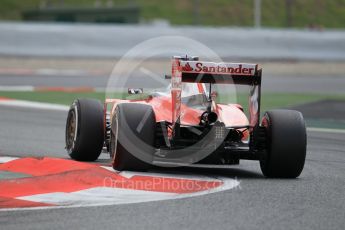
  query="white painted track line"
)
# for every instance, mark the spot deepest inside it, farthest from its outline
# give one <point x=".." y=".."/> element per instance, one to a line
<point x="21" y="88"/>
<point x="7" y="159"/>
<point x="34" y="105"/>
<point x="325" y="130"/>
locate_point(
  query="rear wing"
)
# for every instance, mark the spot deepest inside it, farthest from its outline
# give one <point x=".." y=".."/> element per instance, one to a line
<point x="220" y="73"/>
<point x="194" y="71"/>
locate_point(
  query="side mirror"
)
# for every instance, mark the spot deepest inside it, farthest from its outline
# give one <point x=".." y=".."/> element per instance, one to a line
<point x="167" y="76"/>
<point x="135" y="90"/>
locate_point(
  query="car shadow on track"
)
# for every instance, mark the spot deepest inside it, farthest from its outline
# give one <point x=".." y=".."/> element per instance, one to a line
<point x="230" y="172"/>
<point x="217" y="172"/>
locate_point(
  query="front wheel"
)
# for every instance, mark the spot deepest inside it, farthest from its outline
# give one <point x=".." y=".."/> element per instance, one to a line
<point x="286" y="143"/>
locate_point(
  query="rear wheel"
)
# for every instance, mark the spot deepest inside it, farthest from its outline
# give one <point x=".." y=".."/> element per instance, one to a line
<point x="85" y="130"/>
<point x="132" y="137"/>
<point x="286" y="144"/>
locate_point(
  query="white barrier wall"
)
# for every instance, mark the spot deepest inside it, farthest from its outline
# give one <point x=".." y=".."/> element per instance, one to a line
<point x="82" y="40"/>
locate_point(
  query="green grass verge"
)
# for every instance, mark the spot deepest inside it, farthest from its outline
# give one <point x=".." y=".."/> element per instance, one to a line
<point x="330" y="13"/>
<point x="268" y="100"/>
<point x="283" y="100"/>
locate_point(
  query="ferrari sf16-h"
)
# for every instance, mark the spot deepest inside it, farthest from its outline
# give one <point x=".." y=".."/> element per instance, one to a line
<point x="190" y="124"/>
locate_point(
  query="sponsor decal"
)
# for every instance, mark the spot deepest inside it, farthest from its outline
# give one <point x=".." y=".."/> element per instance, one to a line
<point x="187" y="68"/>
<point x="218" y="68"/>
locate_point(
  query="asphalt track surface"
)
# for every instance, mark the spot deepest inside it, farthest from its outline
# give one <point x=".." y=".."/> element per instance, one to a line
<point x="315" y="200"/>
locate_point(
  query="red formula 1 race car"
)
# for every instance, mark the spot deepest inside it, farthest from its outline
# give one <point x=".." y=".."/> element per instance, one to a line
<point x="193" y="123"/>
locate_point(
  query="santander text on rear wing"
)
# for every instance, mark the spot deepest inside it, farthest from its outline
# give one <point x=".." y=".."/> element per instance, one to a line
<point x="219" y="73"/>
